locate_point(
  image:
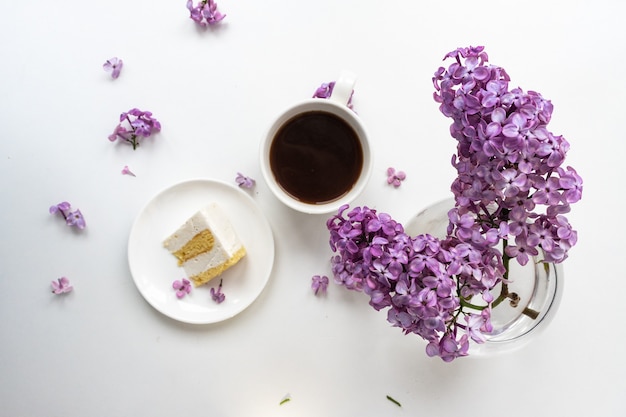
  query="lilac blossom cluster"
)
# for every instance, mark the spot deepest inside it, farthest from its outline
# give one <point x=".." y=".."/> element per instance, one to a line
<point x="510" y="183"/>
<point x="511" y="195"/>
<point x="134" y="125"/>
<point x="204" y="12"/>
<point x="421" y="280"/>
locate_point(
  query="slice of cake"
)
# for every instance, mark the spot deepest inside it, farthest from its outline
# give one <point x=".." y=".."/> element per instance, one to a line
<point x="206" y="245"/>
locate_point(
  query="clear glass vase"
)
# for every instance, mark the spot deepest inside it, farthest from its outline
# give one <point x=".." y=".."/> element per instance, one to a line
<point x="535" y="289"/>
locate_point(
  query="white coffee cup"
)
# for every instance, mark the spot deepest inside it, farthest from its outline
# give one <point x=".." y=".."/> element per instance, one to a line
<point x="316" y="157"/>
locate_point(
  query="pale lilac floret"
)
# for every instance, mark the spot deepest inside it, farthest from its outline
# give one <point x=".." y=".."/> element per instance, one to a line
<point x="127" y="171"/>
<point x="325" y="90"/>
<point x="204" y="12"/>
<point x="319" y="284"/>
<point x="394" y="177"/>
<point x="217" y="295"/>
<point x="75" y="218"/>
<point x="114" y="66"/>
<point x="61" y="286"/>
<point x="72" y="218"/>
<point x="62" y="208"/>
<point x="182" y="287"/>
<point x="244" y="181"/>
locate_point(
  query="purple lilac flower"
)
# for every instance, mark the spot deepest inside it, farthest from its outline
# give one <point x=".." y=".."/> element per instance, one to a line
<point x="205" y="12"/>
<point x="182" y="287"/>
<point x="127" y="171"/>
<point x="448" y="348"/>
<point x="114" y="66"/>
<point x="508" y="162"/>
<point x="478" y="324"/>
<point x="72" y="218"/>
<point x="62" y="208"/>
<point x="135" y="125"/>
<point x="414" y="278"/>
<point x="217" y="295"/>
<point x="325" y="90"/>
<point x="61" y="286"/>
<point x="394" y="177"/>
<point x="319" y="284"/>
<point x="244" y="182"/>
<point x="511" y="196"/>
<point x="75" y="218"/>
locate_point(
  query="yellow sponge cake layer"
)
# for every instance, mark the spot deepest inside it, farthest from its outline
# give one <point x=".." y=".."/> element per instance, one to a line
<point x="211" y="273"/>
<point x="200" y="243"/>
<point x="205" y="245"/>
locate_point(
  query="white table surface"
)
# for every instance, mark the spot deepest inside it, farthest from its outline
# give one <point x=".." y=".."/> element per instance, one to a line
<point x="102" y="350"/>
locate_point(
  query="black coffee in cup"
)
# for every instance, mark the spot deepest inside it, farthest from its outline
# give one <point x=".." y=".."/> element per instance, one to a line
<point x="316" y="157"/>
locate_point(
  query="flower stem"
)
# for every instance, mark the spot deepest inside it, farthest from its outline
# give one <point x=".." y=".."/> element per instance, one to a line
<point x="393" y="400"/>
<point x="504" y="291"/>
<point x="533" y="314"/>
<point x="472" y="306"/>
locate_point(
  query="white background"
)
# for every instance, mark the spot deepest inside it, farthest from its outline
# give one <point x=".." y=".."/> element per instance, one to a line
<point x="103" y="351"/>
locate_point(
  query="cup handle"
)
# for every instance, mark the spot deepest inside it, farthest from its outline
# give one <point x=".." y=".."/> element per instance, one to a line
<point x="342" y="91"/>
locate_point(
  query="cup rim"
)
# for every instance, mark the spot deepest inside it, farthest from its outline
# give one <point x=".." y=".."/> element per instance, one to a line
<point x="316" y="104"/>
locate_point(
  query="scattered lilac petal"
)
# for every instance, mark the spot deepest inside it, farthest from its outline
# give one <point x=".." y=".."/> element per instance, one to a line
<point x="75" y="218"/>
<point x="217" y="295"/>
<point x="182" y="287"/>
<point x="114" y="66"/>
<point x="205" y="12"/>
<point x="61" y="207"/>
<point x="394" y="177"/>
<point x="127" y="171"/>
<point x="325" y="90"/>
<point x="61" y="286"/>
<point x="72" y="218"/>
<point x="244" y="181"/>
<point x="319" y="284"/>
